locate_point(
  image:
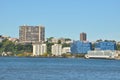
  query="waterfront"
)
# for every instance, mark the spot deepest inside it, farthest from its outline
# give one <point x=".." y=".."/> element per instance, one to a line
<point x="12" y="68"/>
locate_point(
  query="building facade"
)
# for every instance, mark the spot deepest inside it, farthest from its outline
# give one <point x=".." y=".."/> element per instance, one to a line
<point x="102" y="54"/>
<point x="54" y="40"/>
<point x="78" y="47"/>
<point x="83" y="36"/>
<point x="1" y="38"/>
<point x="56" y="49"/>
<point x="39" y="49"/>
<point x="29" y="34"/>
<point x="105" y="45"/>
<point x="66" y="50"/>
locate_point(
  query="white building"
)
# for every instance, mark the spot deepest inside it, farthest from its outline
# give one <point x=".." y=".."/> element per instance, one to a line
<point x="66" y="50"/>
<point x="39" y="49"/>
<point x="1" y="39"/>
<point x="56" y="49"/>
<point x="54" y="40"/>
<point x="69" y="42"/>
<point x="102" y="54"/>
<point x="13" y="39"/>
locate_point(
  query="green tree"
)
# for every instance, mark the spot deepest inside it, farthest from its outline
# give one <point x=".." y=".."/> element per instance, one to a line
<point x="67" y="39"/>
<point x="118" y="46"/>
<point x="59" y="41"/>
<point x="99" y="40"/>
<point x="8" y="46"/>
<point x="49" y="47"/>
<point x="66" y="45"/>
<point x="49" y="39"/>
<point x="93" y="46"/>
<point x="28" y="48"/>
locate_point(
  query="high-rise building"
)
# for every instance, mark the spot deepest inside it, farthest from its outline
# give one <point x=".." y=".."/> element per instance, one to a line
<point x="56" y="49"/>
<point x="32" y="34"/>
<point x="39" y="49"/>
<point x="83" y="36"/>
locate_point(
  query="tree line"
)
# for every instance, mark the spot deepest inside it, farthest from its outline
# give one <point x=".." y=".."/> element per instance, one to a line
<point x="14" y="48"/>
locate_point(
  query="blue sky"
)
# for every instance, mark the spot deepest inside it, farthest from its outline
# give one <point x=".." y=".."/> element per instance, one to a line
<point x="100" y="19"/>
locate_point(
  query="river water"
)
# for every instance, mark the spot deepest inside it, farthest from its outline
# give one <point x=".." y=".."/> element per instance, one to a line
<point x="12" y="68"/>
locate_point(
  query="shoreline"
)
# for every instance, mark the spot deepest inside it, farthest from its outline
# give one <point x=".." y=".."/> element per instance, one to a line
<point x="60" y="57"/>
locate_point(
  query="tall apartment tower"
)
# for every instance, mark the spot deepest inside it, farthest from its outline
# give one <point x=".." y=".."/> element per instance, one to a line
<point x="83" y="36"/>
<point x="31" y="34"/>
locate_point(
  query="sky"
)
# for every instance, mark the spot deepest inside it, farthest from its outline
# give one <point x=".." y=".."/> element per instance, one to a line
<point x="100" y="19"/>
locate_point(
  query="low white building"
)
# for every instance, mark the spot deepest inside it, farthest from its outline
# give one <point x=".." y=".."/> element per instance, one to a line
<point x="56" y="49"/>
<point x="66" y="50"/>
<point x="108" y="54"/>
<point x="13" y="39"/>
<point x="1" y="39"/>
<point x="39" y="49"/>
<point x="54" y="40"/>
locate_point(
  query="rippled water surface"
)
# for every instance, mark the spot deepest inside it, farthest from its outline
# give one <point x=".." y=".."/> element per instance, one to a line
<point x="58" y="69"/>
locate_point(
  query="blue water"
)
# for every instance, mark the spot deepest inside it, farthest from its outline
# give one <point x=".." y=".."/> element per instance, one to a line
<point x="58" y="69"/>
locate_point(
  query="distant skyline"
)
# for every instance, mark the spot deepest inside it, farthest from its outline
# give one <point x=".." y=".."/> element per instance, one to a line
<point x="100" y="19"/>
